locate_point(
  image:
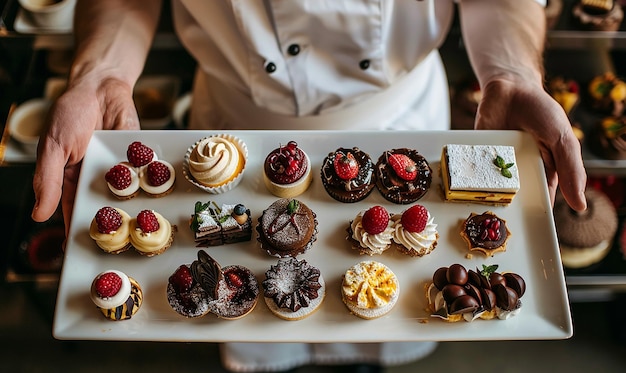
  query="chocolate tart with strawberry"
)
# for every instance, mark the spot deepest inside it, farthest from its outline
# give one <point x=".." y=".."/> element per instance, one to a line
<point x="457" y="294"/>
<point x="116" y="295"/>
<point x="414" y="231"/>
<point x="348" y="174"/>
<point x="403" y="175"/>
<point x="486" y="233"/>
<point x="232" y="291"/>
<point x="288" y="227"/>
<point x="371" y="231"/>
<point x="287" y="171"/>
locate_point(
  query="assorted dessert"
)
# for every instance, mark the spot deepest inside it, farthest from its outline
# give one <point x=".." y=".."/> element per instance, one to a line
<point x="114" y="231"/>
<point x="369" y="289"/>
<point x="143" y="171"/>
<point x="608" y="138"/>
<point x="456" y="294"/>
<point x="413" y="232"/>
<point x="585" y="237"/>
<point x="287" y="171"/>
<point x="486" y="233"/>
<point x="213" y="225"/>
<point x="607" y="93"/>
<point x="288" y="227"/>
<point x="203" y="287"/>
<point x="479" y="173"/>
<point x="402" y="175"/>
<point x="598" y="15"/>
<point x="293" y="289"/>
<point x="216" y="163"/>
<point x="348" y="174"/>
<point x="116" y="295"/>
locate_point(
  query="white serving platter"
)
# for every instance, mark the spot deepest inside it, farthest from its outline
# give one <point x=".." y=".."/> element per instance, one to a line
<point x="532" y="250"/>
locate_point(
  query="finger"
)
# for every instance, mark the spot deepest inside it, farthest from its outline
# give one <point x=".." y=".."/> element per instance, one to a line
<point x="48" y="179"/>
<point x="572" y="174"/>
<point x="70" y="184"/>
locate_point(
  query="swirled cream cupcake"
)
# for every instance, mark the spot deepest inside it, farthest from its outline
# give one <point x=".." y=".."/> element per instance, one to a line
<point x="371" y="231"/>
<point x="116" y="295"/>
<point x="150" y="233"/>
<point x="216" y="163"/>
<point x="415" y="232"/>
<point x="370" y="289"/>
<point x="110" y="228"/>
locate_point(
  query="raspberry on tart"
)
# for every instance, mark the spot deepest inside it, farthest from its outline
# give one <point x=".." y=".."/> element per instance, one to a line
<point x="116" y="295"/>
<point x="123" y="181"/>
<point x="110" y="228"/>
<point x="371" y="231"/>
<point x="150" y="233"/>
<point x="139" y="154"/>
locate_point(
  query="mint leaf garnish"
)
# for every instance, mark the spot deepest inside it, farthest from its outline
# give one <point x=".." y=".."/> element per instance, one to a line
<point x="488" y="270"/>
<point x="503" y="166"/>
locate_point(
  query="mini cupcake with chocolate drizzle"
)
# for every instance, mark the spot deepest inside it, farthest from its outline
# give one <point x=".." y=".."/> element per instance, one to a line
<point x="287" y="227"/>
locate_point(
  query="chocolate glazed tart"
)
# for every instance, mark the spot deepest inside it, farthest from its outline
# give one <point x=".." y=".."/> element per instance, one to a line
<point x="353" y="190"/>
<point x="396" y="189"/>
<point x="486" y="233"/>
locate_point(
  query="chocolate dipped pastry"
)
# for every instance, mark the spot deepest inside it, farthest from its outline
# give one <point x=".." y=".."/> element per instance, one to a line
<point x="457" y="294"/>
<point x="293" y="289"/>
<point x="348" y="174"/>
<point x="402" y="175"/>
<point x="287" y="227"/>
<point x="608" y="139"/>
<point x="486" y="233"/>
<point x="232" y="291"/>
<point x="185" y="295"/>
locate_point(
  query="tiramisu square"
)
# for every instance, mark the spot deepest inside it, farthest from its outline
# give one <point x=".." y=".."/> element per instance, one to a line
<point x="479" y="173"/>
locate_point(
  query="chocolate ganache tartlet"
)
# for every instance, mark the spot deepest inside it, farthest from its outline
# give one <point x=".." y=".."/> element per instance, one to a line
<point x="402" y="175"/>
<point x="486" y="233"/>
<point x="348" y="174"/>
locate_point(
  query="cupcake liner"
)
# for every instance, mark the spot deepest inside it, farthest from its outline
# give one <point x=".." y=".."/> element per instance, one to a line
<point x="243" y="149"/>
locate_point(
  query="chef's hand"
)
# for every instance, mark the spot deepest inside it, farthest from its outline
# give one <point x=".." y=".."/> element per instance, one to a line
<point x="84" y="107"/>
<point x="523" y="105"/>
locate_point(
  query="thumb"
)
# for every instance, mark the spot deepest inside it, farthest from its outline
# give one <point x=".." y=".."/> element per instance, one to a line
<point x="48" y="179"/>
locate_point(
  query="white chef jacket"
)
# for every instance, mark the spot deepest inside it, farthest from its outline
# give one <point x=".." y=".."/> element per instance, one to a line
<point x="315" y="64"/>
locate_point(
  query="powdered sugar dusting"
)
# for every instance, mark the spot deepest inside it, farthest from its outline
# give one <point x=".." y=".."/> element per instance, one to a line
<point x="471" y="167"/>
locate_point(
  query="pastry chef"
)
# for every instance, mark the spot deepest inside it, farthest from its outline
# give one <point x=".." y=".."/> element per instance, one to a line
<point x="325" y="65"/>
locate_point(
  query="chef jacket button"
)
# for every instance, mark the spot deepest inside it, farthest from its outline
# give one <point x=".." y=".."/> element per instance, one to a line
<point x="293" y="49"/>
<point x="270" y="67"/>
<point x="364" y="64"/>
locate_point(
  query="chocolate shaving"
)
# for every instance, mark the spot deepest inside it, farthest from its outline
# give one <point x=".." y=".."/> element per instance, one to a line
<point x="207" y="272"/>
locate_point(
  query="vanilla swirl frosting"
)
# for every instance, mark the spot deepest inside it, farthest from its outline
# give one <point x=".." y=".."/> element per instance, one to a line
<point x="376" y="243"/>
<point x="420" y="242"/>
<point x="214" y="161"/>
<point x="370" y="284"/>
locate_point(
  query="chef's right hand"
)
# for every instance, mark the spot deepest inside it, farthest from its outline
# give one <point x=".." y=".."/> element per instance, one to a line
<point x="86" y="105"/>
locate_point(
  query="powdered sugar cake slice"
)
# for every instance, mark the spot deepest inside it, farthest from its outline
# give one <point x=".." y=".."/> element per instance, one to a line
<point x="479" y="173"/>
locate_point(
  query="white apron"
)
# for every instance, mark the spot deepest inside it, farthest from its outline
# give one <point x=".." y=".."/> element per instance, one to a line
<point x="362" y="65"/>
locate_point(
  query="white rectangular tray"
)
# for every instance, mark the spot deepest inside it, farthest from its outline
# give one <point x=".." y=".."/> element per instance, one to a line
<point x="532" y="250"/>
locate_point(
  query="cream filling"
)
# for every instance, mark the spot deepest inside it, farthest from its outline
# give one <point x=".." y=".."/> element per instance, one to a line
<point x="153" y="241"/>
<point x="376" y="243"/>
<point x="115" y="240"/>
<point x="214" y="161"/>
<point x="116" y="300"/>
<point x="134" y="182"/>
<point x="422" y="242"/>
<point x="145" y="184"/>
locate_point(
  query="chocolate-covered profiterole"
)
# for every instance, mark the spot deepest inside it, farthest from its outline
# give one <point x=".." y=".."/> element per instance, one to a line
<point x="402" y="175"/>
<point x="457" y="294"/>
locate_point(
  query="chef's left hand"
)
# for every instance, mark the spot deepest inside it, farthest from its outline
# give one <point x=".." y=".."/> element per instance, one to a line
<point x="521" y="105"/>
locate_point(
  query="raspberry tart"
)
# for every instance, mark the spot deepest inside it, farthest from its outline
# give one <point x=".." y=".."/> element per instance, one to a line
<point x="116" y="295"/>
<point x="287" y="171"/>
<point x="293" y="289"/>
<point x="414" y="231"/>
<point x="486" y="233"/>
<point x="110" y="228"/>
<point x="457" y="294"/>
<point x="288" y="227"/>
<point x="150" y="233"/>
<point x="348" y="175"/>
<point x="403" y="175"/>
<point x="371" y="231"/>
